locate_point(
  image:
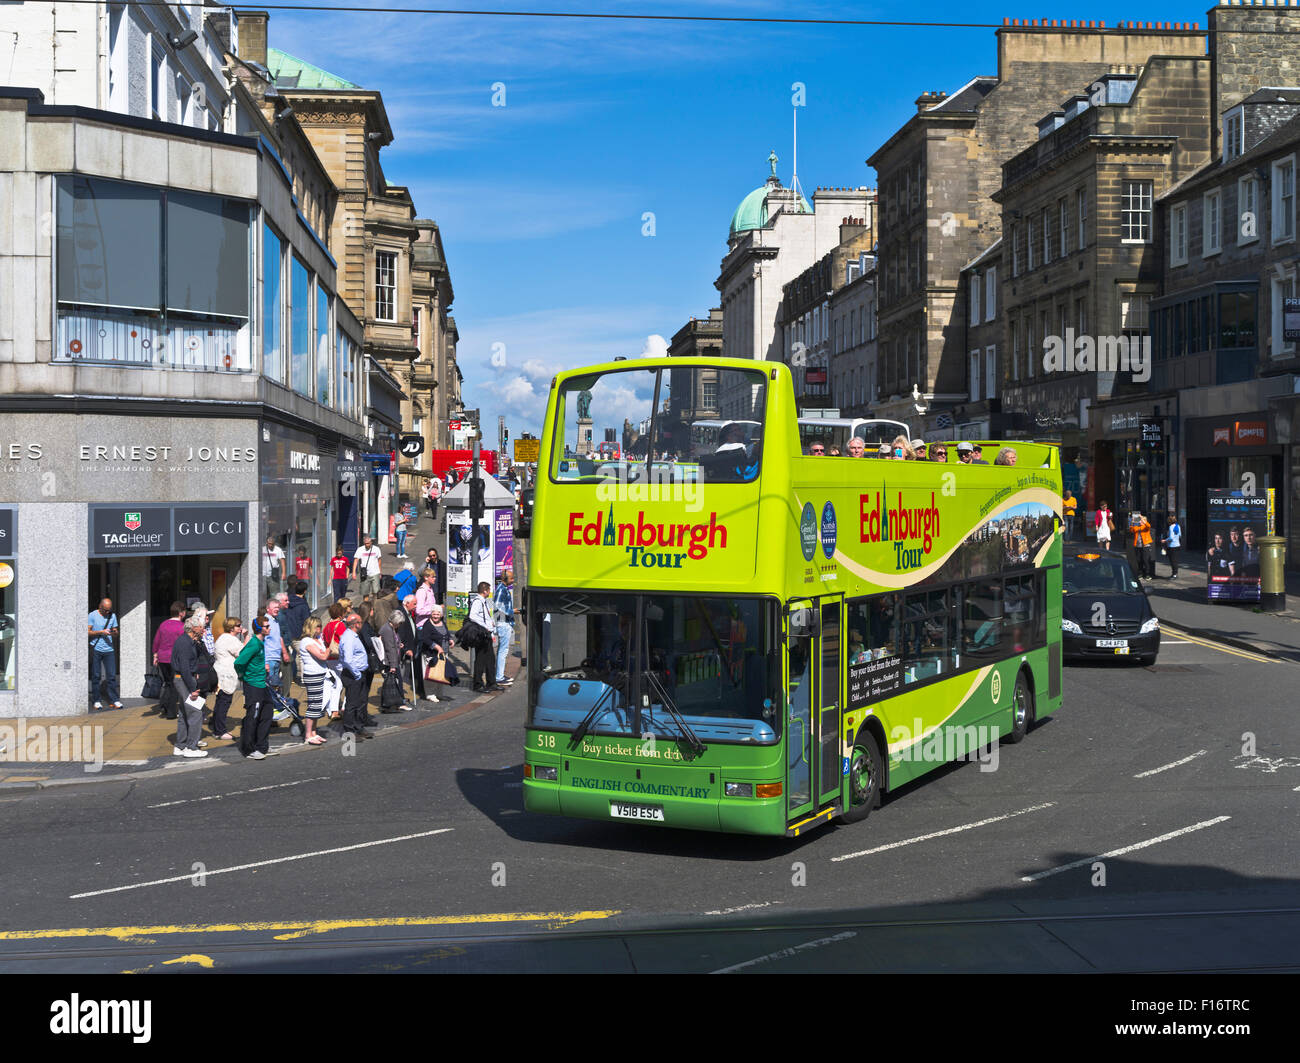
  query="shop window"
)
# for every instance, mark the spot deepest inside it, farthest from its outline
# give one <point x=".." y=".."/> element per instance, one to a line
<point x="324" y="389"/>
<point x="117" y="302"/>
<point x="272" y="305"/>
<point x="1236" y="319"/>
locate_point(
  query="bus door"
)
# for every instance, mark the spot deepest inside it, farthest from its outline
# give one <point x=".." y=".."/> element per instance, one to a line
<point x="813" y="775"/>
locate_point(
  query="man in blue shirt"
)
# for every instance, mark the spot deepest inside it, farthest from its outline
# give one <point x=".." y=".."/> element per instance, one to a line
<point x="101" y="627"/>
<point x="276" y="653"/>
<point x="353" y="663"/>
<point x="1173" y="540"/>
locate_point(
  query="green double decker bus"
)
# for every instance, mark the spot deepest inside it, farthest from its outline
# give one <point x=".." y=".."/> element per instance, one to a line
<point x="758" y="641"/>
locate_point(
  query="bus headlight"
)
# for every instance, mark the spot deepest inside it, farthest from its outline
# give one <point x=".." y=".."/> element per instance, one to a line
<point x="545" y="774"/>
<point x="738" y="789"/>
<point x="1151" y="625"/>
<point x="1071" y="627"/>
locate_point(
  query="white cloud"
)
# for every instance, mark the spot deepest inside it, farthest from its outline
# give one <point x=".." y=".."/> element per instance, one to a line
<point x="506" y="212"/>
<point x="655" y="346"/>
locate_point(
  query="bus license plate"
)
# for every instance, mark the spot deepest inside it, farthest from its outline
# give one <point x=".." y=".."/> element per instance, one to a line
<point x="1112" y="644"/>
<point x="618" y="810"/>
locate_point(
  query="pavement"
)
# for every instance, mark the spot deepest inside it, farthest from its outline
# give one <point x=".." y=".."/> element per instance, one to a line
<point x="136" y="741"/>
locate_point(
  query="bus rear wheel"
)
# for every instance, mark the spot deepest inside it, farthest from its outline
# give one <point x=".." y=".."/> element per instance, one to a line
<point x="1022" y="710"/>
<point x="866" y="771"/>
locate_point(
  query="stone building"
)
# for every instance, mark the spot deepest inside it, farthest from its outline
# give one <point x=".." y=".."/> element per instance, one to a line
<point x="853" y="344"/>
<point x="806" y="323"/>
<point x="169" y="411"/>
<point x="775" y="234"/>
<point x="384" y="251"/>
<point x="1083" y="266"/>
<point x="937" y="175"/>
<point x="701" y="338"/>
<point x="978" y="416"/>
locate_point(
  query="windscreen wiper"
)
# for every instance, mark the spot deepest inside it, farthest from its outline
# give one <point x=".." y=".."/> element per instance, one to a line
<point x="689" y="736"/>
<point x="581" y="730"/>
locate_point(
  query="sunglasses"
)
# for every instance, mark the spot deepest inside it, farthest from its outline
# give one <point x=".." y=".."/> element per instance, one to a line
<point x="818" y="450"/>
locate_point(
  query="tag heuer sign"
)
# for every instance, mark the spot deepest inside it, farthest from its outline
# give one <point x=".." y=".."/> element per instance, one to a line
<point x="132" y="521"/>
<point x="412" y="446"/>
<point x="454" y="426"/>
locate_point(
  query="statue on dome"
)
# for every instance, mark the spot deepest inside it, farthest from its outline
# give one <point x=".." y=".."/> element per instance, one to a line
<point x="772" y="160"/>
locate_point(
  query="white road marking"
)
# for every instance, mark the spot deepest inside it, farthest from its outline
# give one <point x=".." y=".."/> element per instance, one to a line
<point x="261" y="863"/>
<point x="125" y="763"/>
<point x="1126" y="849"/>
<point x="941" y="833"/>
<point x="743" y="908"/>
<point x="784" y="953"/>
<point x="1175" y="642"/>
<point x="233" y="793"/>
<point x="1166" y="767"/>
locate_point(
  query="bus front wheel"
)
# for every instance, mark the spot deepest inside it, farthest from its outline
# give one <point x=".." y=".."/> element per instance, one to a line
<point x="1022" y="710"/>
<point x="866" y="771"/>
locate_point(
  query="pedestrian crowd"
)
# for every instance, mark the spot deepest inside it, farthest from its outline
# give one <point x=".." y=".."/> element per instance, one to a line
<point x="395" y="631"/>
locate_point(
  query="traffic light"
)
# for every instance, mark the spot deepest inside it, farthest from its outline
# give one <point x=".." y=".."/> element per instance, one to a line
<point x="476" y="506"/>
<point x="505" y="435"/>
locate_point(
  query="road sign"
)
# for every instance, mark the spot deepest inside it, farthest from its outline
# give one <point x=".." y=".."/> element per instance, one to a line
<point x="454" y="426"/>
<point x="527" y="449"/>
<point x="412" y="446"/>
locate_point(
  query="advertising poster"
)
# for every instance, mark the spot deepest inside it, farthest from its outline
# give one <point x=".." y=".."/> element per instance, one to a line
<point x="463" y="542"/>
<point x="503" y="541"/>
<point x="1234" y="525"/>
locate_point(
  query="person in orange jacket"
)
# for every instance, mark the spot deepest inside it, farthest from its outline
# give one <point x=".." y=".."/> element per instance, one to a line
<point x="1140" y="527"/>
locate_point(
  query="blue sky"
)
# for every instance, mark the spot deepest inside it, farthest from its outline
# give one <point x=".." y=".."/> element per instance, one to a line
<point x="540" y="202"/>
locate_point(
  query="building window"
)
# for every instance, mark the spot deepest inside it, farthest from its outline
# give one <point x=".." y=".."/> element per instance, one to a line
<point x="1081" y="317"/>
<point x="1029" y="245"/>
<point x="1247" y="211"/>
<point x="272" y="304"/>
<point x="1284" y="200"/>
<point x="386" y="285"/>
<point x="1081" y="209"/>
<point x="1212" y="224"/>
<point x="1015" y="250"/>
<point x="152" y="276"/>
<point x="324" y="391"/>
<point x="300" y="339"/>
<point x="1047" y="237"/>
<point x="1233" y="135"/>
<point x="1065" y="227"/>
<point x="1135" y="216"/>
<point x="710" y="394"/>
<point x="415" y="325"/>
<point x="974" y="376"/>
<point x="1014" y="335"/>
<point x="1030" y="353"/>
<point x="990" y="371"/>
<point x="117" y="59"/>
<point x="1237" y="319"/>
<point x="991" y="293"/>
<point x="1178" y="235"/>
<point x="1282" y="290"/>
<point x="974" y="298"/>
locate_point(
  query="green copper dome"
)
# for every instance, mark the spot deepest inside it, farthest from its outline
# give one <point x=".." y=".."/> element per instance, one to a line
<point x="752" y="212"/>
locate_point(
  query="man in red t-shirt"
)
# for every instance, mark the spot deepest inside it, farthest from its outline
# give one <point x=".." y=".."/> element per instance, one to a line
<point x="339" y="566"/>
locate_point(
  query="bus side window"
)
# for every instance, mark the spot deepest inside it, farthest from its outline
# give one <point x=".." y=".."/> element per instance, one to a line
<point x="982" y="622"/>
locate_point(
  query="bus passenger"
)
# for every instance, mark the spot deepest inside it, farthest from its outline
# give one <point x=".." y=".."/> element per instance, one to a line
<point x="733" y="438"/>
<point x="857" y="447"/>
<point x="939" y="452"/>
<point x="902" y="450"/>
<point x="965" y="453"/>
<point x="919" y="449"/>
<point x="817" y="450"/>
<point x="1006" y="456"/>
<point x="885" y="451"/>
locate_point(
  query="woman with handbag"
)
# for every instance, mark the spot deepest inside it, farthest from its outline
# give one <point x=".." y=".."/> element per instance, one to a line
<point x="435" y="640"/>
<point x="1105" y="524"/>
<point x="392" y="696"/>
<point x="228" y="645"/>
<point x="315" y="673"/>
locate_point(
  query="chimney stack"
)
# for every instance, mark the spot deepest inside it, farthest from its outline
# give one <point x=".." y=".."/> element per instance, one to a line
<point x="252" y="35"/>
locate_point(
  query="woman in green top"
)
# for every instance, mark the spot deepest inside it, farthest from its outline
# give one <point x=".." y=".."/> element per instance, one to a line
<point x="250" y="666"/>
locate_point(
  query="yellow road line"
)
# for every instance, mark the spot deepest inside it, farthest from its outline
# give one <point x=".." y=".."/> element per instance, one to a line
<point x="298" y="928"/>
<point x="1225" y="649"/>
